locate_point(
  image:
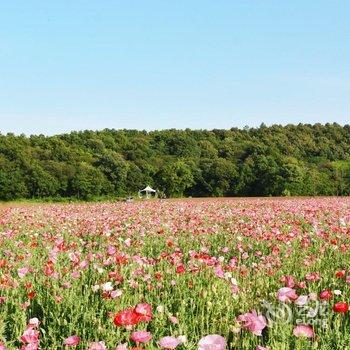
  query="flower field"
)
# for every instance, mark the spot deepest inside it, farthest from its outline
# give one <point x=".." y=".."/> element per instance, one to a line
<point x="187" y="274"/>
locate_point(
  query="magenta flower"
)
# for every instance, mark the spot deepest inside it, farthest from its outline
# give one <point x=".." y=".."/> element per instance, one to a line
<point x="212" y="342"/>
<point x="303" y="330"/>
<point x="73" y="340"/>
<point x="169" y="342"/>
<point x="252" y="322"/>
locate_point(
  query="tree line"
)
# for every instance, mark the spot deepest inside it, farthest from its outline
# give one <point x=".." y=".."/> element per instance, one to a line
<point x="277" y="160"/>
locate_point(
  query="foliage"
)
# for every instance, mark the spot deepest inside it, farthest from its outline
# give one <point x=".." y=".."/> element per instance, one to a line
<point x="278" y="160"/>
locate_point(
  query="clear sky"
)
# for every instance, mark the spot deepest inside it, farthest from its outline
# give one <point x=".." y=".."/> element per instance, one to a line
<point x="72" y="65"/>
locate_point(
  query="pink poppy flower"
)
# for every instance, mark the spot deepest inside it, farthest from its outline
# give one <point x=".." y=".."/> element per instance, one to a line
<point x="313" y="276"/>
<point x="116" y="293"/>
<point x="145" y="312"/>
<point x="30" y="335"/>
<point x="326" y="294"/>
<point x="252" y="322"/>
<point x="219" y="272"/>
<point x="97" y="346"/>
<point x="288" y="281"/>
<point x="111" y="250"/>
<point x="174" y="320"/>
<point x="302" y="300"/>
<point x="122" y="347"/>
<point x="212" y="342"/>
<point x="169" y="342"/>
<point x="73" y="340"/>
<point x="286" y="295"/>
<point x="234" y="289"/>
<point x="141" y="336"/>
<point x="22" y="272"/>
<point x="75" y="274"/>
<point x="303" y="330"/>
<point x="2" y="346"/>
<point x="301" y="284"/>
<point x="25" y="305"/>
<point x="31" y="346"/>
<point x="313" y="296"/>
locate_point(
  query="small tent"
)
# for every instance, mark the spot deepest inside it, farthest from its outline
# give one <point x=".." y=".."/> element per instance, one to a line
<point x="147" y="192"/>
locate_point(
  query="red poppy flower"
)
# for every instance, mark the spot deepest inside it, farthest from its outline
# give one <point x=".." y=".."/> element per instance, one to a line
<point x="31" y="295"/>
<point x="180" y="269"/>
<point x="121" y="259"/>
<point x="127" y="317"/>
<point x="340" y="274"/>
<point x="116" y="276"/>
<point x="28" y="285"/>
<point x="341" y="307"/>
<point x="133" y="316"/>
<point x="158" y="276"/>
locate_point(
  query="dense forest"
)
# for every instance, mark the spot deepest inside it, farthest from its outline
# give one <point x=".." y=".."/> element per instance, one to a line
<point x="278" y="160"/>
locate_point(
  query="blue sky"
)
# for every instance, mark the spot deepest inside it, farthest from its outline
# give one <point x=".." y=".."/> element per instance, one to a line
<point x="73" y="65"/>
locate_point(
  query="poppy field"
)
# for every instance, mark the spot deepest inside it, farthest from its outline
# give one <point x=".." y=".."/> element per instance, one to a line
<point x="207" y="274"/>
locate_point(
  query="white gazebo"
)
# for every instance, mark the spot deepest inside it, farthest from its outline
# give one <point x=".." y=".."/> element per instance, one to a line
<point x="147" y="192"/>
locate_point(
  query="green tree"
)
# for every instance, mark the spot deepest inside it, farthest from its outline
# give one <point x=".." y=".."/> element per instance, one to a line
<point x="12" y="184"/>
<point x="115" y="168"/>
<point x="88" y="182"/>
<point x="218" y="176"/>
<point x="175" y="178"/>
<point x="39" y="182"/>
